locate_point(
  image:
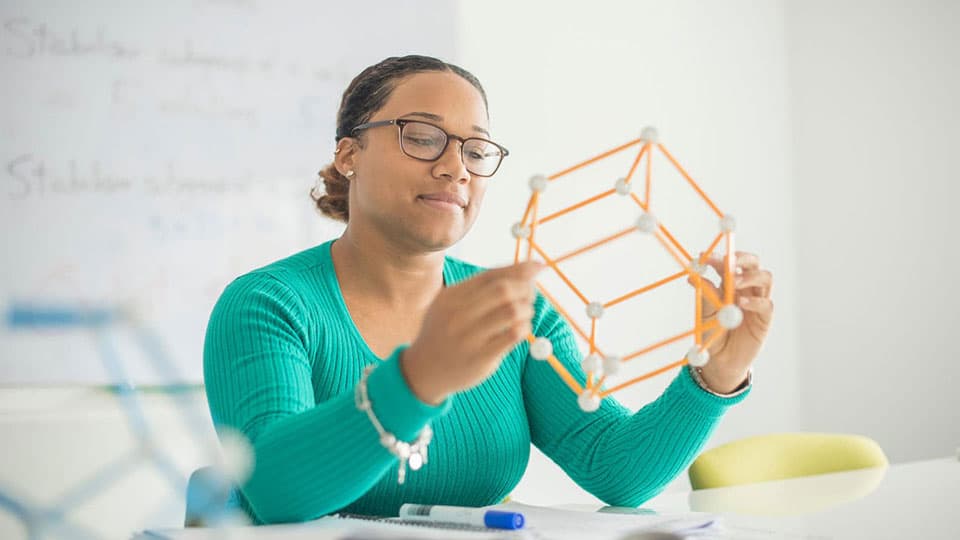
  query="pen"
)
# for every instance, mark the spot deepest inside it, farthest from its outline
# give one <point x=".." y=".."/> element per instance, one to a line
<point x="479" y="517"/>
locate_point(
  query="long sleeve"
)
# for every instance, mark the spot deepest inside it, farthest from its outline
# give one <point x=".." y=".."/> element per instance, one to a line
<point x="623" y="459"/>
<point x="310" y="458"/>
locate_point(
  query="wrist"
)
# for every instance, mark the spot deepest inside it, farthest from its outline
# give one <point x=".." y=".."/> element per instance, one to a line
<point x="417" y="379"/>
<point x="723" y="381"/>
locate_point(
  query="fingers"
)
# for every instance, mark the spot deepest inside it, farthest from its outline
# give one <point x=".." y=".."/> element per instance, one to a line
<point x="506" y="318"/>
<point x="500" y="303"/>
<point x="499" y="343"/>
<point x="759" y="279"/>
<point x="504" y="290"/>
<point x="762" y="306"/>
<point x="471" y="325"/>
<point x="747" y="261"/>
<point x="748" y="271"/>
<point x="526" y="270"/>
<point x="744" y="261"/>
<point x="492" y="284"/>
<point x="752" y="283"/>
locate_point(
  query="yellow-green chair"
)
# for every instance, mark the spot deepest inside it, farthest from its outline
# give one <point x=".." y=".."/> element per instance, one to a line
<point x="783" y="455"/>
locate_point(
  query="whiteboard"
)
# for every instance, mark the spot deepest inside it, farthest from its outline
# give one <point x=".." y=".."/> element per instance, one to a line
<point x="153" y="151"/>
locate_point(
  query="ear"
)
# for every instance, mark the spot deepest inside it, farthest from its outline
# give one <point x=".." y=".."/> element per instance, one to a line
<point x="345" y="156"/>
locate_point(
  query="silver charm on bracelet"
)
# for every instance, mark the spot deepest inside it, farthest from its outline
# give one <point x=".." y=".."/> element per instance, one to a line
<point x="413" y="454"/>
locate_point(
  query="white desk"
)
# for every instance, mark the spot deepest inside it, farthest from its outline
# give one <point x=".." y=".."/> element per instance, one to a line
<point x="914" y="500"/>
<point x="919" y="500"/>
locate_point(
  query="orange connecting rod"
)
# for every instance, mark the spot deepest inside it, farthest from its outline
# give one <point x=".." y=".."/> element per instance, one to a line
<point x="704" y="332"/>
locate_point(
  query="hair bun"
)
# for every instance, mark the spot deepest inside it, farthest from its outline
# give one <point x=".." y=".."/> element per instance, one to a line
<point x="334" y="201"/>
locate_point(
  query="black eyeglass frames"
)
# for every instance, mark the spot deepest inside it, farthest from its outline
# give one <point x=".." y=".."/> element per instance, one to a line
<point x="427" y="142"/>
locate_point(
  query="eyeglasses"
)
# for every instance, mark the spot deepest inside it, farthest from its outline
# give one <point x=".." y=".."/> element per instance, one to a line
<point x="427" y="142"/>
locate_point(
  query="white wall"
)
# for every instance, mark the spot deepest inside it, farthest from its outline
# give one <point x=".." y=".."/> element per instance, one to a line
<point x="874" y="91"/>
<point x="570" y="80"/>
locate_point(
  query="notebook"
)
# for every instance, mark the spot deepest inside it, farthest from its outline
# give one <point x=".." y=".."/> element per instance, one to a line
<point x="541" y="524"/>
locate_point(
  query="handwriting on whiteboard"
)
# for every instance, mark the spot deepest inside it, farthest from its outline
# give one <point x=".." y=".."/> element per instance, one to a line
<point x="24" y="38"/>
<point x="29" y="177"/>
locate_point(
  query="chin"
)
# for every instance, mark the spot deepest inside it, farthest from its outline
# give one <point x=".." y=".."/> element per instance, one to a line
<point x="439" y="240"/>
<point x="440" y="243"/>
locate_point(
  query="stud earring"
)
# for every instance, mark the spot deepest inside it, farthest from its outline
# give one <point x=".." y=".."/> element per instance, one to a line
<point x="349" y="174"/>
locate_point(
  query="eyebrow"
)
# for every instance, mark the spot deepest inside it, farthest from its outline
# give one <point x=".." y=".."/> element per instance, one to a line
<point x="438" y="118"/>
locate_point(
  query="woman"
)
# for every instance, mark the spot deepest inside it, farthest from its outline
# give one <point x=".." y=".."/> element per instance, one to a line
<point x="308" y="356"/>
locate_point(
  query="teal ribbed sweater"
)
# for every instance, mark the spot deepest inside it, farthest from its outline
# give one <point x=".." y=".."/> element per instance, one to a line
<point x="282" y="358"/>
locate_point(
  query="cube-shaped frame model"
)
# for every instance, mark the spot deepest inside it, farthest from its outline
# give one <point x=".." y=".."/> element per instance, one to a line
<point x="597" y="365"/>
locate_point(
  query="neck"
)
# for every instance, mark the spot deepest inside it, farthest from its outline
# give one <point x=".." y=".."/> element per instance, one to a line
<point x="373" y="267"/>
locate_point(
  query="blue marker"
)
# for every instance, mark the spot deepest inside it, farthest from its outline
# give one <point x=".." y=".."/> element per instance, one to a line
<point x="459" y="515"/>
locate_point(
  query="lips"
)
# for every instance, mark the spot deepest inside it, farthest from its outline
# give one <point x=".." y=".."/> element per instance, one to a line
<point x="447" y="197"/>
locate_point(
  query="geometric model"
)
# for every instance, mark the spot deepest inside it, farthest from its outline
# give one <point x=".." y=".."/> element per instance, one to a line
<point x="597" y="365"/>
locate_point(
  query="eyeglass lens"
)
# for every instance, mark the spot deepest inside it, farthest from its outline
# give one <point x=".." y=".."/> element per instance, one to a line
<point x="427" y="142"/>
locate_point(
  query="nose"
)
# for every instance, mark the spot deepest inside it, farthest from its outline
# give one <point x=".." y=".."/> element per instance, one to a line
<point x="450" y="164"/>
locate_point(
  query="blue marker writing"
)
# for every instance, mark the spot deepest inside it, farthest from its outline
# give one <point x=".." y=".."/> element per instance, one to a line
<point x="478" y="517"/>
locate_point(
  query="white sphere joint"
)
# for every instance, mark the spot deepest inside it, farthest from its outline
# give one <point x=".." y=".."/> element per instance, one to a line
<point x="594" y="310"/>
<point x="650" y="135"/>
<point x="611" y="365"/>
<point x="238" y="454"/>
<point x="588" y="401"/>
<point x="698" y="267"/>
<point x="541" y="348"/>
<point x="730" y="316"/>
<point x="696" y="357"/>
<point x="538" y="183"/>
<point x="728" y="224"/>
<point x="592" y="363"/>
<point x="519" y="230"/>
<point x="622" y="187"/>
<point x="647" y="223"/>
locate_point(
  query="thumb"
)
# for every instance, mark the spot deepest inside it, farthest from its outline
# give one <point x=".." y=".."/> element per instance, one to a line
<point x="528" y="269"/>
<point x="513" y="270"/>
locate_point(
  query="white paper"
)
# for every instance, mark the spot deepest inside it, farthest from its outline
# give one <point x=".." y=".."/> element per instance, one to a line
<point x="541" y="524"/>
<point x="556" y="524"/>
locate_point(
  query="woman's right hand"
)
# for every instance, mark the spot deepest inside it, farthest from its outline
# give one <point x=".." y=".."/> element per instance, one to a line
<point x="468" y="329"/>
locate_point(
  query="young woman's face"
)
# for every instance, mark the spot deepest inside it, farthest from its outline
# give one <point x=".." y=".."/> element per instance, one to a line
<point x="396" y="194"/>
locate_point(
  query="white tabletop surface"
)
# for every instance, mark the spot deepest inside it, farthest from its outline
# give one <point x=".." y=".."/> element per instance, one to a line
<point x="918" y="500"/>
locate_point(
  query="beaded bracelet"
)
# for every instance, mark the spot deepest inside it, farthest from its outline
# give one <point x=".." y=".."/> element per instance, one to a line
<point x="413" y="454"/>
<point x="697" y="374"/>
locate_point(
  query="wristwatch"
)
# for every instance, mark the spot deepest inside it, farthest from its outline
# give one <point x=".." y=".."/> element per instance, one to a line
<point x="697" y="374"/>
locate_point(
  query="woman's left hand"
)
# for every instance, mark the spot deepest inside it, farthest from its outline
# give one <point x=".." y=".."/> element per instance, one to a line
<point x="732" y="354"/>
